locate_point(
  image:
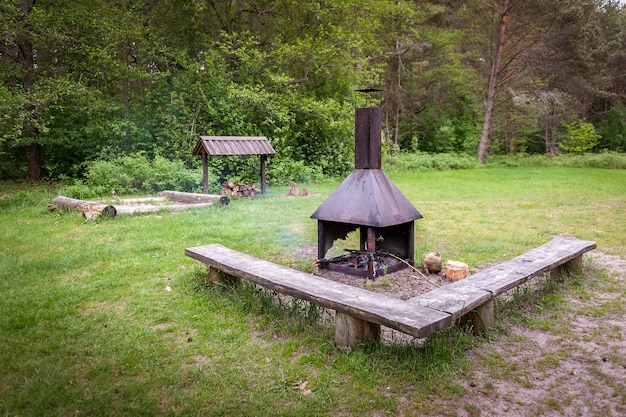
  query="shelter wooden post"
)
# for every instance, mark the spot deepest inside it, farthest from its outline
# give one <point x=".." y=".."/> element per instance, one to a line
<point x="263" y="159"/>
<point x="205" y="173"/>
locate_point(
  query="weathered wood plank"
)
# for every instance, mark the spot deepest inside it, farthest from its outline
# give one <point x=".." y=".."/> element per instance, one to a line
<point x="457" y="298"/>
<point x="461" y="297"/>
<point x="376" y="308"/>
<point x="503" y="277"/>
<point x="419" y="316"/>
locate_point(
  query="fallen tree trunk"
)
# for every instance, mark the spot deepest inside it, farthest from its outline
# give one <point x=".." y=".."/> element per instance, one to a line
<point x="150" y="208"/>
<point x="90" y="207"/>
<point x="190" y="198"/>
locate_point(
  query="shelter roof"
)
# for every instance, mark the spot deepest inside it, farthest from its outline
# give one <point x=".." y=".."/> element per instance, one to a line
<point x="233" y="145"/>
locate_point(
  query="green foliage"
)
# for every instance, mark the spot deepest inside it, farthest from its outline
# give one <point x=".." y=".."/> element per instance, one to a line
<point x="319" y="135"/>
<point x="605" y="159"/>
<point x="128" y="77"/>
<point x="612" y="129"/>
<point x="137" y="174"/>
<point x="283" y="170"/>
<point x="422" y="161"/>
<point x="580" y="136"/>
<point x="445" y="139"/>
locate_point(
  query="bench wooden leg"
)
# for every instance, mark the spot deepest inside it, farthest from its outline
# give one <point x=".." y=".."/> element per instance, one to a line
<point x="570" y="266"/>
<point x="216" y="275"/>
<point x="350" y="331"/>
<point x="480" y="319"/>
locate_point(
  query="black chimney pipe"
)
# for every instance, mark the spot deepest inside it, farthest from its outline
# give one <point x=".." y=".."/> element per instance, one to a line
<point x="367" y="138"/>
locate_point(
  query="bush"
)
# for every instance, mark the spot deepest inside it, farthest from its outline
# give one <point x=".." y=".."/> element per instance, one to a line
<point x="605" y="159"/>
<point x="422" y="161"/>
<point x="580" y="136"/>
<point x="610" y="160"/>
<point x="82" y="191"/>
<point x="281" y="171"/>
<point x="173" y="175"/>
<point x="612" y="129"/>
<point x="133" y="174"/>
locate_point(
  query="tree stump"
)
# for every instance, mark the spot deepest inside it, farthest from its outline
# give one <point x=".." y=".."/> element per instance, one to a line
<point x="456" y="270"/>
<point x="432" y="262"/>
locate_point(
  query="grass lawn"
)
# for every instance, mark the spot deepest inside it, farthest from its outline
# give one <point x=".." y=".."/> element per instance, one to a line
<point x="110" y="318"/>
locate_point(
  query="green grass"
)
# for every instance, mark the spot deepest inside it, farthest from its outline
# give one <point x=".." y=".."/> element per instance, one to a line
<point x="88" y="326"/>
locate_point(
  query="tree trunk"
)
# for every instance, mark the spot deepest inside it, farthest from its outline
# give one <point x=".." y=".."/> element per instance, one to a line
<point x="190" y="198"/>
<point x="484" y="146"/>
<point x="34" y="156"/>
<point x="85" y="206"/>
<point x="34" y="152"/>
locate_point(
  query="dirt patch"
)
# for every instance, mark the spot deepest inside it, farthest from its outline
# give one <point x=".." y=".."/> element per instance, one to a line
<point x="577" y="367"/>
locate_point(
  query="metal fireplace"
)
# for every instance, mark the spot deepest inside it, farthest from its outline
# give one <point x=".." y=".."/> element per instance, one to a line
<point x="369" y="202"/>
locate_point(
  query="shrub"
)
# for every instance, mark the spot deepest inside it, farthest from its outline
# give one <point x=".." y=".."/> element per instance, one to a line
<point x="581" y="136"/>
<point x="422" y="161"/>
<point x="605" y="159"/>
<point x="612" y="129"/>
<point x="281" y="171"/>
<point x="173" y="175"/>
<point x="132" y="174"/>
<point x="82" y="191"/>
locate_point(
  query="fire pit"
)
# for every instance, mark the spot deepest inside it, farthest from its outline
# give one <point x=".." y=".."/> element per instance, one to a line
<point x="369" y="202"/>
<point x="357" y="263"/>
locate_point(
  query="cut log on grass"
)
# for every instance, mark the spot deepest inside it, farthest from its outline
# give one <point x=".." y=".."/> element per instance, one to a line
<point x="190" y="198"/>
<point x="432" y="262"/>
<point x="456" y="270"/>
<point x="90" y="215"/>
<point x="86" y="207"/>
<point x="151" y="208"/>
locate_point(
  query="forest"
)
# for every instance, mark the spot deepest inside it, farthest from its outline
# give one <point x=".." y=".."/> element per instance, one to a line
<point x="87" y="84"/>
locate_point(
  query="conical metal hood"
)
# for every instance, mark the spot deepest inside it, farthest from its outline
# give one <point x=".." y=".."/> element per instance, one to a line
<point x="367" y="197"/>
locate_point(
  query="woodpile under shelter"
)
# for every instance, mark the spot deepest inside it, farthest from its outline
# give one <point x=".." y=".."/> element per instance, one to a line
<point x="232" y="146"/>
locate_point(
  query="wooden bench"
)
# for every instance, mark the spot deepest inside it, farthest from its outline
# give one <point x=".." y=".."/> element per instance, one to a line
<point x="472" y="298"/>
<point x="360" y="313"/>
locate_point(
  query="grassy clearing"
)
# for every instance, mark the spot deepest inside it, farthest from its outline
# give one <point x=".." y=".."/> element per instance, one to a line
<point x="110" y="318"/>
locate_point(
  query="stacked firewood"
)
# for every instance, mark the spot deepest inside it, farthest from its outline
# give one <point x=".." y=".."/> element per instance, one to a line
<point x="239" y="190"/>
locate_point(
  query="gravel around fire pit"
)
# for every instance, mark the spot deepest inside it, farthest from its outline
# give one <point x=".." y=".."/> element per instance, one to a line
<point x="403" y="284"/>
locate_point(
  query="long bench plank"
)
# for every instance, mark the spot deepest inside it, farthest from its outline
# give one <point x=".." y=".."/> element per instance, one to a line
<point x="356" y="302"/>
<point x="503" y="277"/>
<point x="466" y="295"/>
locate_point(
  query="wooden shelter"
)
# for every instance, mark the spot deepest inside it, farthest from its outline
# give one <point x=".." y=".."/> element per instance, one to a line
<point x="232" y="146"/>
